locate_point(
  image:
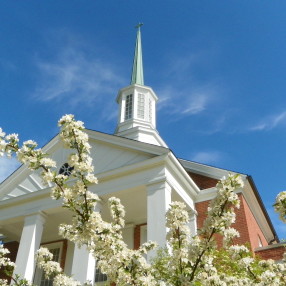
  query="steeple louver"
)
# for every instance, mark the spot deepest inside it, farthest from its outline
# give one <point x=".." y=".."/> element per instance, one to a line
<point x="137" y="105"/>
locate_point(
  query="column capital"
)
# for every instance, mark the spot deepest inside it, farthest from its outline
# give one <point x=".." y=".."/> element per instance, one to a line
<point x="159" y="184"/>
<point x="38" y="216"/>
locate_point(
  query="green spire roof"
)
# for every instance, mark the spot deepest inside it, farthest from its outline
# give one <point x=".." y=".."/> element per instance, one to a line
<point x="137" y="76"/>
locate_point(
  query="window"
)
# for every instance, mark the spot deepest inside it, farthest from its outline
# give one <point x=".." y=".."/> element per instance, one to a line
<point x="128" y="106"/>
<point x="65" y="169"/>
<point x="260" y="244"/>
<point x="49" y="282"/>
<point x="141" y="105"/>
<point x="56" y="248"/>
<point x="99" y="276"/>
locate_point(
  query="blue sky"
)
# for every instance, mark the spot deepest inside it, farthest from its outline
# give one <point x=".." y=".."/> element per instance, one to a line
<point x="218" y="68"/>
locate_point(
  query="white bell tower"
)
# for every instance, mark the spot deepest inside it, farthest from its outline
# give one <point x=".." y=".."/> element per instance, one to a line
<point x="137" y="105"/>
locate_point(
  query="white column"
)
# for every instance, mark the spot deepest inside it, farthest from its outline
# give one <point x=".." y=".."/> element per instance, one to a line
<point x="193" y="222"/>
<point x="29" y="244"/>
<point x="83" y="264"/>
<point x="158" y="202"/>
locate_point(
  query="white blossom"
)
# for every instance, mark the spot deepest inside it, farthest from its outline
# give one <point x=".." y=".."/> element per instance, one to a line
<point x="280" y="205"/>
<point x="189" y="260"/>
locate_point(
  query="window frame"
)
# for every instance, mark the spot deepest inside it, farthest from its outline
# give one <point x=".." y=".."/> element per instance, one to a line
<point x="128" y="113"/>
<point x="62" y="245"/>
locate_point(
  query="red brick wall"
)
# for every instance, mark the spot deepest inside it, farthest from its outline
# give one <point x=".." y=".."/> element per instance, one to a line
<point x="137" y="235"/>
<point x="203" y="182"/>
<point x="245" y="224"/>
<point x="254" y="231"/>
<point x="202" y="208"/>
<point x="13" y="248"/>
<point x="274" y="252"/>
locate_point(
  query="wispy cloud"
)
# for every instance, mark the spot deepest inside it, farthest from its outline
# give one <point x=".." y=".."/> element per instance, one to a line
<point x="207" y="157"/>
<point x="77" y="73"/>
<point x="185" y="102"/>
<point x="7" y="167"/>
<point x="184" y="92"/>
<point x="197" y="104"/>
<point x="73" y="77"/>
<point x="270" y="122"/>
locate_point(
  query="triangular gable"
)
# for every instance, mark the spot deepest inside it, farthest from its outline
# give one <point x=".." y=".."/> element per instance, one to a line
<point x="206" y="170"/>
<point x="108" y="152"/>
<point x="203" y="182"/>
<point x="29" y="185"/>
<point x="105" y="156"/>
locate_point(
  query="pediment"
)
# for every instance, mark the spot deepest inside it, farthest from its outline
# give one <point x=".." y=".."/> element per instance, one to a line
<point x="30" y="184"/>
<point x="106" y="156"/>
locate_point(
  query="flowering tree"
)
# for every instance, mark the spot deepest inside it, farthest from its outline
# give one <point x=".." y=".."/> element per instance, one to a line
<point x="280" y="205"/>
<point x="187" y="260"/>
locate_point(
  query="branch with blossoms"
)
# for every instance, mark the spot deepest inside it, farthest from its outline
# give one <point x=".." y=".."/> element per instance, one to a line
<point x="197" y="260"/>
<point x="220" y="217"/>
<point x="53" y="270"/>
<point x="280" y="205"/>
<point x="188" y="260"/>
<point x="190" y="255"/>
<point x="103" y="239"/>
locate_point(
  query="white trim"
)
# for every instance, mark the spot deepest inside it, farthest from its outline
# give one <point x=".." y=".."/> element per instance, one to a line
<point x="140" y="89"/>
<point x="35" y="182"/>
<point x="24" y="189"/>
<point x="271" y="246"/>
<point x="205" y="170"/>
<point x="143" y="234"/>
<point x="126" y="143"/>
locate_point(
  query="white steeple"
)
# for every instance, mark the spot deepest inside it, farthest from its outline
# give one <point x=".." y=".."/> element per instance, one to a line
<point x="137" y="104"/>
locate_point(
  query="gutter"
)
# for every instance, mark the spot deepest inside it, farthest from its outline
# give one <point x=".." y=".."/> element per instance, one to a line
<point x="258" y="197"/>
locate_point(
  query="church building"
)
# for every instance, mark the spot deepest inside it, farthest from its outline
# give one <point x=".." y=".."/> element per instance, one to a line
<point x="135" y="165"/>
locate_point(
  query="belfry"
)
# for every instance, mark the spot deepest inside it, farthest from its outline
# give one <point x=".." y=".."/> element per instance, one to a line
<point x="137" y="104"/>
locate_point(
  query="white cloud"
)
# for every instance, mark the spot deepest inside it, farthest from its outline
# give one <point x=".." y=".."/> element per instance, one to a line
<point x="185" y="102"/>
<point x="197" y="104"/>
<point x="186" y="93"/>
<point x="207" y="157"/>
<point x="7" y="167"/>
<point x="270" y="122"/>
<point x="74" y="77"/>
